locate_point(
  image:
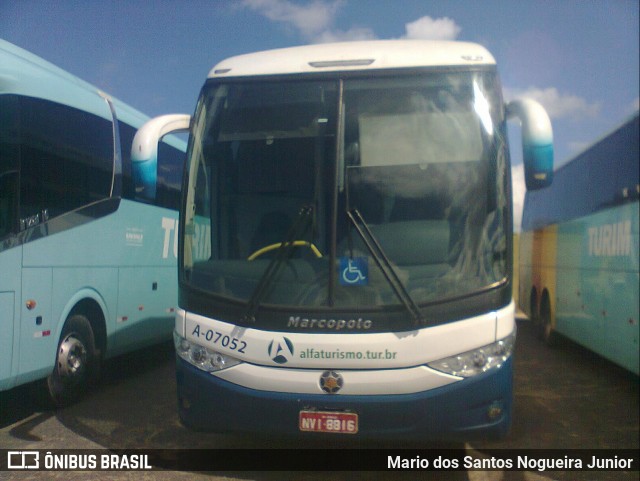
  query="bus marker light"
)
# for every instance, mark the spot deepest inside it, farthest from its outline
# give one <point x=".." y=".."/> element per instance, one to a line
<point x="31" y="304"/>
<point x="359" y="62"/>
<point x="494" y="411"/>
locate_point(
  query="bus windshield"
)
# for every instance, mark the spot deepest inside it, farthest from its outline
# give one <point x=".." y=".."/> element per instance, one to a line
<point x="318" y="193"/>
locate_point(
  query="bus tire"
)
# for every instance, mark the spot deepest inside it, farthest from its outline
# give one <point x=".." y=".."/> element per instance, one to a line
<point x="534" y="313"/>
<point x="547" y="332"/>
<point x="76" y="362"/>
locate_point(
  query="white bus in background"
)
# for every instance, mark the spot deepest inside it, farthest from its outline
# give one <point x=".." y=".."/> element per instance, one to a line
<point x="345" y="248"/>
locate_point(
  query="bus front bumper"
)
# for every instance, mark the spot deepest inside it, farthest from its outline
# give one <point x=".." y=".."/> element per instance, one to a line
<point x="476" y="407"/>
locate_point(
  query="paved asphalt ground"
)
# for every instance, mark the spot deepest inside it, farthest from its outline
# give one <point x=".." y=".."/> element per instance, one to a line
<point x="564" y="398"/>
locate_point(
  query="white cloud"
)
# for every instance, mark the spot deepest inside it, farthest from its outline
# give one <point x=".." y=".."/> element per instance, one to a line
<point x="635" y="105"/>
<point x="314" y="21"/>
<point x="310" y="19"/>
<point x="558" y="105"/>
<point x="427" y="28"/>
<point x="519" y="189"/>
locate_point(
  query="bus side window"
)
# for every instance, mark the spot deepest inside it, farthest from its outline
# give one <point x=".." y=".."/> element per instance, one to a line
<point x="9" y="152"/>
<point x="8" y="202"/>
<point x="66" y="159"/>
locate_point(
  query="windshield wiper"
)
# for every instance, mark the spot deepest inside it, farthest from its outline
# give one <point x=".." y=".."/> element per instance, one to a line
<point x="283" y="253"/>
<point x="385" y="266"/>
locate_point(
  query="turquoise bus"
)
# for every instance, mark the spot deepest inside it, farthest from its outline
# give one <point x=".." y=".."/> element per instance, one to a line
<point x="87" y="246"/>
<point x="345" y="248"/>
<point x="579" y="250"/>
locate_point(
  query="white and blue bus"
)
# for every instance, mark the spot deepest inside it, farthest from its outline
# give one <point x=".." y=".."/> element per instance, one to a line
<point x="345" y="249"/>
<point x="87" y="246"/>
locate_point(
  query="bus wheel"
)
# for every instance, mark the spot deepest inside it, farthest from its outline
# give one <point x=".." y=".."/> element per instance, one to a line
<point x="547" y="332"/>
<point x="534" y="313"/>
<point x="76" y="362"/>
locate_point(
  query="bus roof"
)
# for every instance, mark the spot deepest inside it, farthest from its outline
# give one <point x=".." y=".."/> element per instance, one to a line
<point x="24" y="73"/>
<point x="604" y="175"/>
<point x="349" y="56"/>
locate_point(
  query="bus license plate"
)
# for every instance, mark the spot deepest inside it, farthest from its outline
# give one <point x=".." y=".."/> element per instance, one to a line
<point x="328" y="422"/>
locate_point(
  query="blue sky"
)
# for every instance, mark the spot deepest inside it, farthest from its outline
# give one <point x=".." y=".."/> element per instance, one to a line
<point x="579" y="58"/>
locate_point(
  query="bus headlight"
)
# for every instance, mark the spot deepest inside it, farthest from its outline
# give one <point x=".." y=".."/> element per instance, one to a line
<point x="479" y="360"/>
<point x="200" y="356"/>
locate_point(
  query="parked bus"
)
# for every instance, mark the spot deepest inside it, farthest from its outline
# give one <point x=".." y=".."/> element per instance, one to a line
<point x="87" y="247"/>
<point x="579" y="250"/>
<point x="345" y="252"/>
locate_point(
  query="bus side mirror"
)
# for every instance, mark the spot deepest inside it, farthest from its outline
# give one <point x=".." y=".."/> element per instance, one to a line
<point x="537" y="142"/>
<point x="144" y="151"/>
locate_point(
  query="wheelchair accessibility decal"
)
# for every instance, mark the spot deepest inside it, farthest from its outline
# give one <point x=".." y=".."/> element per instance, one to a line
<point x="354" y="271"/>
